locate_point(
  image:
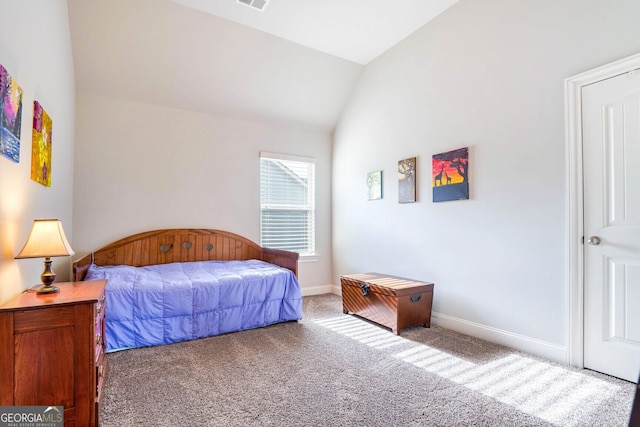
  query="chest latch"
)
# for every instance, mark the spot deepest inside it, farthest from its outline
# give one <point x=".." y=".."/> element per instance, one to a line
<point x="364" y="288"/>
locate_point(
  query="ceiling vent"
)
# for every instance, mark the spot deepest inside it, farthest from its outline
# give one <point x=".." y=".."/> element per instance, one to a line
<point x="255" y="4"/>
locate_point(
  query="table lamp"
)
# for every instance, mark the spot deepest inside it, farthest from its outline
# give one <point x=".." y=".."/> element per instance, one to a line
<point x="46" y="239"/>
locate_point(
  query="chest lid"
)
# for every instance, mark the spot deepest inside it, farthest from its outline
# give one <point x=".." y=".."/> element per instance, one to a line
<point x="388" y="285"/>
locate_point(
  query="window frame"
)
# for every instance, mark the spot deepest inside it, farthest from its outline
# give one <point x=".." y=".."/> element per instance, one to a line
<point x="310" y="235"/>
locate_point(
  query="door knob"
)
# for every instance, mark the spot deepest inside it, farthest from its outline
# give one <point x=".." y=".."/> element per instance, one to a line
<point x="594" y="240"/>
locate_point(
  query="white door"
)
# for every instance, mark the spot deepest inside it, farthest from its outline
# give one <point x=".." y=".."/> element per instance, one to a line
<point x="611" y="153"/>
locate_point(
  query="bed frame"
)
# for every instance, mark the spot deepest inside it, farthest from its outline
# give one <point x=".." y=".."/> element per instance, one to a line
<point x="182" y="245"/>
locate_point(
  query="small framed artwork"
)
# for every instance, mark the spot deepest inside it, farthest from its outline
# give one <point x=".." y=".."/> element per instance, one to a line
<point x="450" y="175"/>
<point x="41" y="146"/>
<point x="407" y="180"/>
<point x="374" y="185"/>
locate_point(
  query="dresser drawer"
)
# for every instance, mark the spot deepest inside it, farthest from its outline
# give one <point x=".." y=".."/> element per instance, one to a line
<point x="102" y="367"/>
<point x="102" y="370"/>
<point x="99" y="329"/>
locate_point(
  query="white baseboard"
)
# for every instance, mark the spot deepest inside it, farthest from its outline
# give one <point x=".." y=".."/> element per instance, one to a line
<point x="316" y="290"/>
<point x="530" y="345"/>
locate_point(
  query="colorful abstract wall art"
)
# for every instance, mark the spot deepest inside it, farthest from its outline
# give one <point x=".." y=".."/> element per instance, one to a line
<point x="450" y="175"/>
<point x="41" y="146"/>
<point x="374" y="185"/>
<point x="10" y="116"/>
<point x="407" y="180"/>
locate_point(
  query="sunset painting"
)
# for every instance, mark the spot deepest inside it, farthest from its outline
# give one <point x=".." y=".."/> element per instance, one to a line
<point x="450" y="175"/>
<point x="41" y="146"/>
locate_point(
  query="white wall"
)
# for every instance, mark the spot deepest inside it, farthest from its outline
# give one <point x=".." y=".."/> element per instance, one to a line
<point x="35" y="48"/>
<point x="488" y="75"/>
<point x="143" y="167"/>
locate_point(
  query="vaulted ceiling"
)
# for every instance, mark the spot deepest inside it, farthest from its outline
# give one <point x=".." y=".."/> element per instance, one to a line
<point x="293" y="63"/>
<point x="356" y="30"/>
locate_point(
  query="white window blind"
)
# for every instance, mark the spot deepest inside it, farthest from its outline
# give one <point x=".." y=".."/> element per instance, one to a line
<point x="287" y="203"/>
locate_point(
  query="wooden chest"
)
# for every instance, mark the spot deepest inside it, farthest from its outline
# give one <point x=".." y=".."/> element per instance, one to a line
<point x="394" y="302"/>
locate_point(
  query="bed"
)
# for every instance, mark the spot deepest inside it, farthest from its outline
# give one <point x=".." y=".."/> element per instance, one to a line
<point x="167" y="286"/>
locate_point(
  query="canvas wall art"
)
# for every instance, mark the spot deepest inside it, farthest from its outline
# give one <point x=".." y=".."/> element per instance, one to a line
<point x="10" y="116"/>
<point x="450" y="175"/>
<point x="41" y="146"/>
<point x="407" y="180"/>
<point x="374" y="185"/>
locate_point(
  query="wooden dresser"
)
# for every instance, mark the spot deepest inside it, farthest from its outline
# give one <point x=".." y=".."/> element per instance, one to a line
<point x="52" y="351"/>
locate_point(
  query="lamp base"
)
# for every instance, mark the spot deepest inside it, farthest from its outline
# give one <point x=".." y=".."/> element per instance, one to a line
<point x="47" y="277"/>
<point x="47" y="289"/>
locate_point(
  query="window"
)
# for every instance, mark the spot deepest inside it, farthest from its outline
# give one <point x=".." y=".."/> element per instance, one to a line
<point x="287" y="203"/>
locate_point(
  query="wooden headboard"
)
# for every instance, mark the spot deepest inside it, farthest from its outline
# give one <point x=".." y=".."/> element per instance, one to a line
<point x="182" y="245"/>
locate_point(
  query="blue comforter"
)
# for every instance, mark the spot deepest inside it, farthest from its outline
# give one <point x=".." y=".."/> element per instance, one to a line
<point x="168" y="303"/>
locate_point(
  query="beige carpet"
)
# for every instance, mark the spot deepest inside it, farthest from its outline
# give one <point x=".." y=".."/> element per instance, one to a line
<point x="332" y="369"/>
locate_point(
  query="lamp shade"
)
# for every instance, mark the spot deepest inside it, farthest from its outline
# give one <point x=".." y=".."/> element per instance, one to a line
<point x="47" y="239"/>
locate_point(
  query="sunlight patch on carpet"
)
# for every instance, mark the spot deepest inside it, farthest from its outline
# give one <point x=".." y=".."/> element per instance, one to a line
<point x="549" y="392"/>
<point x="361" y="331"/>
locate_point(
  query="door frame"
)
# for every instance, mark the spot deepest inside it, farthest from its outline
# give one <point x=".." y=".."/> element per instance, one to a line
<point x="575" y="202"/>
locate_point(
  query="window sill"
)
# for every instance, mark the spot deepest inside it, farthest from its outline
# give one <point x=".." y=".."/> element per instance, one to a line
<point x="308" y="258"/>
